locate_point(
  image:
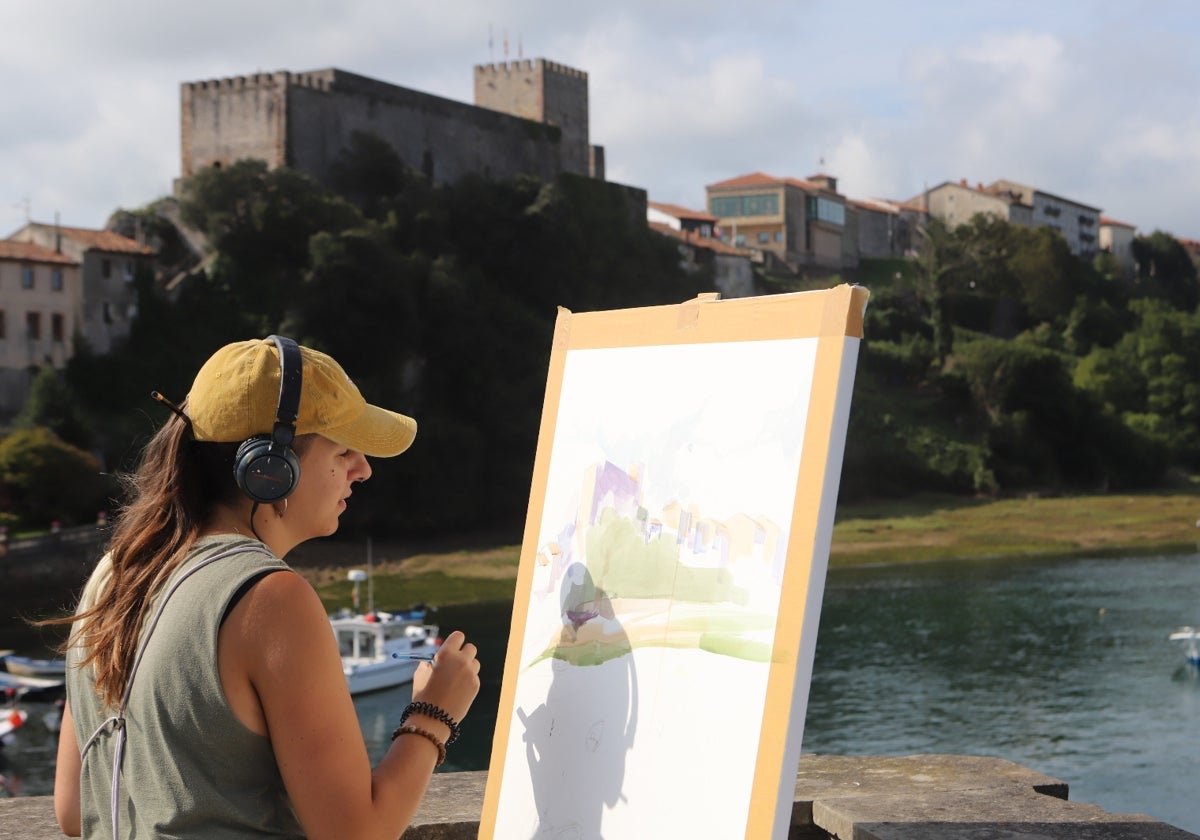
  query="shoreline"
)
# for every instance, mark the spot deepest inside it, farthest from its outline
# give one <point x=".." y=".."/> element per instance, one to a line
<point x="920" y="529"/>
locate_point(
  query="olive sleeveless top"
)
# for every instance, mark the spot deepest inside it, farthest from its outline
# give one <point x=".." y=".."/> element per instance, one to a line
<point x="190" y="769"/>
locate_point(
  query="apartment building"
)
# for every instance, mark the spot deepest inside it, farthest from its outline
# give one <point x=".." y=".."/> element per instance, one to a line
<point x="40" y="303"/>
<point x="802" y="223"/>
<point x="108" y="263"/>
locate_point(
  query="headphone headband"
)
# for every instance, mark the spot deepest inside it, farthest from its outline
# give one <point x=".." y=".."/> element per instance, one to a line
<point x="291" y="377"/>
<point x="265" y="468"/>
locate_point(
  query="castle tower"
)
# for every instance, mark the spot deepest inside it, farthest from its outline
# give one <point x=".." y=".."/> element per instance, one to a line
<point x="545" y="92"/>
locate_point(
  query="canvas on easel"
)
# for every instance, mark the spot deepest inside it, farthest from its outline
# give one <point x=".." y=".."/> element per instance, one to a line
<point x="672" y="568"/>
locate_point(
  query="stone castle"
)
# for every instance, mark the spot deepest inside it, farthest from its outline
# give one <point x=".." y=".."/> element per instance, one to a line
<point x="530" y="117"/>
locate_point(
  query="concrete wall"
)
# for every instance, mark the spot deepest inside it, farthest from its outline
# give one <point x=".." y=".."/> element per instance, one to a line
<point x="440" y="137"/>
<point x="922" y="797"/>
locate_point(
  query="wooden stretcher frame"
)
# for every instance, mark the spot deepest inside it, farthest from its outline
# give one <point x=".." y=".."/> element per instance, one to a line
<point x="833" y="321"/>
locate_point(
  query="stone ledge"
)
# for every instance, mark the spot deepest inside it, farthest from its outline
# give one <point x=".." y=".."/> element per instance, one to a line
<point x="920" y="797"/>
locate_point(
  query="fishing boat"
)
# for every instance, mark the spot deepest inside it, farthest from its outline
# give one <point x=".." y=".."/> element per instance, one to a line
<point x="1190" y="635"/>
<point x="27" y="667"/>
<point x="383" y="649"/>
<point x="18" y="687"/>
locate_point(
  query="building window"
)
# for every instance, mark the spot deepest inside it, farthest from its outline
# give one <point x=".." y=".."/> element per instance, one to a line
<point x="764" y="238"/>
<point x="107" y="312"/>
<point x="56" y="280"/>
<point x="26" y="277"/>
<point x="106" y="268"/>
<point x="779" y="236"/>
<point x="762" y="204"/>
<point x="3" y="325"/>
<point x="56" y="327"/>
<point x="128" y="271"/>
<point x="824" y="210"/>
<point x="33" y="325"/>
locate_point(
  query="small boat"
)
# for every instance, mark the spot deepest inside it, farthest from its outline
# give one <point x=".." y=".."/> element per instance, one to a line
<point x="383" y="649"/>
<point x="1191" y="635"/>
<point x="17" y="687"/>
<point x="26" y="667"/>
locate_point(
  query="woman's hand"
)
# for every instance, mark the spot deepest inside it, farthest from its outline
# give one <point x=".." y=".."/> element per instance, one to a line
<point x="451" y="682"/>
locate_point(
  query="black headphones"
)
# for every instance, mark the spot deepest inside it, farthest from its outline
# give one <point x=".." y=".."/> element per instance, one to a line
<point x="265" y="468"/>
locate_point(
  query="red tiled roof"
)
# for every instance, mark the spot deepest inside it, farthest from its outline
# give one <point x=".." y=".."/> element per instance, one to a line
<point x="762" y="179"/>
<point x="1108" y="220"/>
<point x="30" y="252"/>
<point x="681" y="212"/>
<point x="101" y="240"/>
<point x="692" y="238"/>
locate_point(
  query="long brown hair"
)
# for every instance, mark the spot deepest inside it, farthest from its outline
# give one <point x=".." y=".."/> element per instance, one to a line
<point x="170" y="495"/>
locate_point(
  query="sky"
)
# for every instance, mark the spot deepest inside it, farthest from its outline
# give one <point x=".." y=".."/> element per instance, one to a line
<point x="1097" y="102"/>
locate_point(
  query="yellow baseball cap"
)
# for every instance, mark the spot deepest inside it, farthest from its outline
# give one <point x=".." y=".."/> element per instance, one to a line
<point x="236" y="394"/>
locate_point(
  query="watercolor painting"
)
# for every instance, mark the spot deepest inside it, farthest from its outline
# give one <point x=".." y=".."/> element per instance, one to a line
<point x="657" y="600"/>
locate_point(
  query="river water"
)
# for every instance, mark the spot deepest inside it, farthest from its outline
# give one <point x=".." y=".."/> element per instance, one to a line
<point x="1062" y="666"/>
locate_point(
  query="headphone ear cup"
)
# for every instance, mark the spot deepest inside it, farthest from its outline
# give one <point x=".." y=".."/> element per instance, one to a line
<point x="264" y="471"/>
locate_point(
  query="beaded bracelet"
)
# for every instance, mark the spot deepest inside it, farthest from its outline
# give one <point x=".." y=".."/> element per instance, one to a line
<point x="424" y="733"/>
<point x="420" y="707"/>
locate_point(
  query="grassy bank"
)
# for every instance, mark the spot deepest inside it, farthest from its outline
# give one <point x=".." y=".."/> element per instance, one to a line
<point x="913" y="530"/>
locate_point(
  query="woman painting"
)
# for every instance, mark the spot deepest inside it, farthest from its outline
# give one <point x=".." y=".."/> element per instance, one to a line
<point x="203" y="673"/>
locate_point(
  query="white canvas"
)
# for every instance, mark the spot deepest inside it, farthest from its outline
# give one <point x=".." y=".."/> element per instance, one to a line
<point x="667" y="600"/>
<point x="717" y="430"/>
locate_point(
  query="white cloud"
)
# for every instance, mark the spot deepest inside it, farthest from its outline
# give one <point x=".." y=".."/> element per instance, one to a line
<point x="1091" y="101"/>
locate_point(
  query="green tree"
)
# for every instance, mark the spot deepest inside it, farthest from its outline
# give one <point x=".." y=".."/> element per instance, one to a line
<point x="53" y="405"/>
<point x="1165" y="271"/>
<point x="43" y="479"/>
<point x="259" y="221"/>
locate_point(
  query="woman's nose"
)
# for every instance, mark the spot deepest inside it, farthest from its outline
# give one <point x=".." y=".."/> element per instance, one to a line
<point x="362" y="468"/>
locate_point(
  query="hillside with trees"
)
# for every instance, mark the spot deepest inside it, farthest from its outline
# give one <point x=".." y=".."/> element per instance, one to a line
<point x="995" y="362"/>
<point x="998" y="363"/>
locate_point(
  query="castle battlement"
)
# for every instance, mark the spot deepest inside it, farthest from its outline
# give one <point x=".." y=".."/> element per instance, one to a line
<point x="315" y="80"/>
<point x="527" y="65"/>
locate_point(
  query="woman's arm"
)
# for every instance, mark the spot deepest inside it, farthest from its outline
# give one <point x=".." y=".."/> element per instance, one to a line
<point x="66" y="777"/>
<point x="279" y="640"/>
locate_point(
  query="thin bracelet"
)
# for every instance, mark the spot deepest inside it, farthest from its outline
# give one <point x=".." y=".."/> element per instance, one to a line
<point x="420" y="707"/>
<point x="409" y="729"/>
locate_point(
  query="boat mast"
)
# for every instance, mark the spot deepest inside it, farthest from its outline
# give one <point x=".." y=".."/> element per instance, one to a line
<point x="370" y="581"/>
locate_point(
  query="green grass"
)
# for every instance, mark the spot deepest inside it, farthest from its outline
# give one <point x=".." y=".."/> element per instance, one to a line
<point x="934" y="528"/>
<point x="915" y="529"/>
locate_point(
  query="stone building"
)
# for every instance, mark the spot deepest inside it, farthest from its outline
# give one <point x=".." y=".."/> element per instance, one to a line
<point x="531" y="117"/>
